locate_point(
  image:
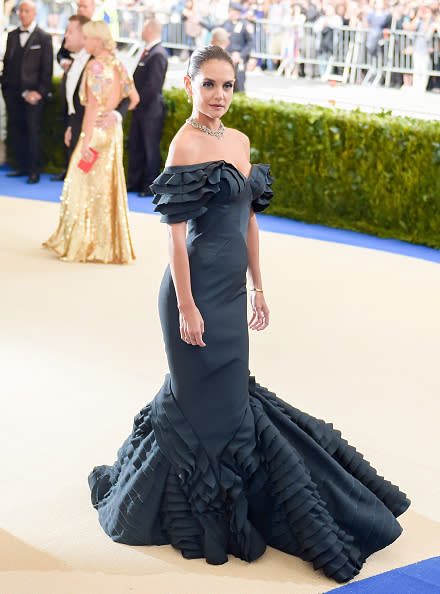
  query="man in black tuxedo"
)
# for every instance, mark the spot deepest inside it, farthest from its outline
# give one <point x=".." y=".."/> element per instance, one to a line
<point x="74" y="44"/>
<point x="86" y="8"/>
<point x="148" y="117"/>
<point x="26" y="81"/>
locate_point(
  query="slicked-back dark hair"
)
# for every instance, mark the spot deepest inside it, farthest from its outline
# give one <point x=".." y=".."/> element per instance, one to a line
<point x="204" y="54"/>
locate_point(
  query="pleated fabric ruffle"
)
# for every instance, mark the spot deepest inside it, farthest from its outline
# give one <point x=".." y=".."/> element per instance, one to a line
<point x="183" y="192"/>
<point x="285" y="479"/>
<point x="261" y="181"/>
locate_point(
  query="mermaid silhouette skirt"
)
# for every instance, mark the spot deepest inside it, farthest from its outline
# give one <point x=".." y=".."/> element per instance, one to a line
<point x="217" y="464"/>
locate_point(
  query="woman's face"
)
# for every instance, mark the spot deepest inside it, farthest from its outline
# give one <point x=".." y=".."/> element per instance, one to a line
<point x="212" y="88"/>
<point x="92" y="44"/>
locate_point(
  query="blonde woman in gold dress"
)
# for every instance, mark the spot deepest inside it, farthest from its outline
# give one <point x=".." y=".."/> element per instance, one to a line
<point x="93" y="225"/>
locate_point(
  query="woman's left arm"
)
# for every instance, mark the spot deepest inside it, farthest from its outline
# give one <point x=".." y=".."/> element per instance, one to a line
<point x="260" y="311"/>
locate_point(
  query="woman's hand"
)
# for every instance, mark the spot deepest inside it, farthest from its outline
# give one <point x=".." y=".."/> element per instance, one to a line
<point x="68" y="136"/>
<point x="133" y="99"/>
<point x="260" y="311"/>
<point x="86" y="153"/>
<point x="192" y="326"/>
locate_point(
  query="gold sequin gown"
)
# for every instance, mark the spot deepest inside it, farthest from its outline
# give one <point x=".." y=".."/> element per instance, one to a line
<point x="93" y="225"/>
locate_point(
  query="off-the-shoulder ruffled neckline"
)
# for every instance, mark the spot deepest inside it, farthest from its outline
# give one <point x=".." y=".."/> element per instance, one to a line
<point x="201" y="165"/>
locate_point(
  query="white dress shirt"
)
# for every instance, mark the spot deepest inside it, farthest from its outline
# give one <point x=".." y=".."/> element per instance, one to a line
<point x="79" y="61"/>
<point x="25" y="33"/>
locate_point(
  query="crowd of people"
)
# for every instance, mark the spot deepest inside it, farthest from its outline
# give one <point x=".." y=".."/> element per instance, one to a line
<point x="298" y="35"/>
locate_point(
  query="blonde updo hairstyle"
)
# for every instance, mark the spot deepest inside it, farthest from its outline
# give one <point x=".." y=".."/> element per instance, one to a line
<point x="100" y="30"/>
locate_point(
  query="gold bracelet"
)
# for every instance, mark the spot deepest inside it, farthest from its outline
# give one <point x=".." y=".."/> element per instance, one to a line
<point x="255" y="289"/>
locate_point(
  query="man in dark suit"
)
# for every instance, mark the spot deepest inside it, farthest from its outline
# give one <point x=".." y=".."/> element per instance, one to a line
<point x="148" y="117"/>
<point x="26" y="81"/>
<point x="86" y="8"/>
<point x="74" y="44"/>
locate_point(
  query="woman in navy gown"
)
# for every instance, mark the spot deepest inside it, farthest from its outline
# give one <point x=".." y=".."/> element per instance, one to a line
<point x="216" y="464"/>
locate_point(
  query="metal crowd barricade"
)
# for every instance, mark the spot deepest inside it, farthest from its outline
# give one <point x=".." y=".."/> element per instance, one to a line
<point x="349" y="62"/>
<point x="131" y="21"/>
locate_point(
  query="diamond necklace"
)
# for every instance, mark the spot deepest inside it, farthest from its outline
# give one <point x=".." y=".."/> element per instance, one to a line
<point x="217" y="133"/>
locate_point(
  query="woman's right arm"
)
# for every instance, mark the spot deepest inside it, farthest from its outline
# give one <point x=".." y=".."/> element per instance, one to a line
<point x="191" y="322"/>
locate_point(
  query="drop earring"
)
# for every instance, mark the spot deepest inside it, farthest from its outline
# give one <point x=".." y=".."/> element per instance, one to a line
<point x="189" y="99"/>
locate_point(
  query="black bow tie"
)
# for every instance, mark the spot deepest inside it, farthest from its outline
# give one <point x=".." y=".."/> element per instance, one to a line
<point x="24" y="31"/>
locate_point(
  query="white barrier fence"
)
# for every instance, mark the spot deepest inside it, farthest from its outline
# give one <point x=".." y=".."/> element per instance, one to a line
<point x="347" y="61"/>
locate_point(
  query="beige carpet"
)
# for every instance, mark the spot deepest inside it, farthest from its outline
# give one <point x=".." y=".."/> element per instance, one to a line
<point x="354" y="338"/>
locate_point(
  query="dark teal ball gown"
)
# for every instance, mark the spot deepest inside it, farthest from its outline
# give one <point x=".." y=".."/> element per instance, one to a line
<point x="217" y="464"/>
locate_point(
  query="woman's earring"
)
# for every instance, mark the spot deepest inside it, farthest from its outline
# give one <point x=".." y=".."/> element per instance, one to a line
<point x="189" y="99"/>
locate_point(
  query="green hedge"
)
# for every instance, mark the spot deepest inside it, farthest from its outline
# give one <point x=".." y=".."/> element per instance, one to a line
<point x="372" y="173"/>
<point x="54" y="154"/>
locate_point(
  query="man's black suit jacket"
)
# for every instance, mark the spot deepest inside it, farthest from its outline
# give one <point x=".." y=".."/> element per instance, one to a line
<point x="37" y="64"/>
<point x="149" y="77"/>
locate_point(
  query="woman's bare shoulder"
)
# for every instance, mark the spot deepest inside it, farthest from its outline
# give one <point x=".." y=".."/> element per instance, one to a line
<point x="183" y="150"/>
<point x="239" y="137"/>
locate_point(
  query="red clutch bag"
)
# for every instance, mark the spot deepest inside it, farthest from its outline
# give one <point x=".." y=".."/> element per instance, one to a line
<point x="86" y="165"/>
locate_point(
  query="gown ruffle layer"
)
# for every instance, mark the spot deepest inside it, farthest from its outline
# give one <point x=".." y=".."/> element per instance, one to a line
<point x="183" y="193"/>
<point x="216" y="464"/>
<point x="285" y="479"/>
